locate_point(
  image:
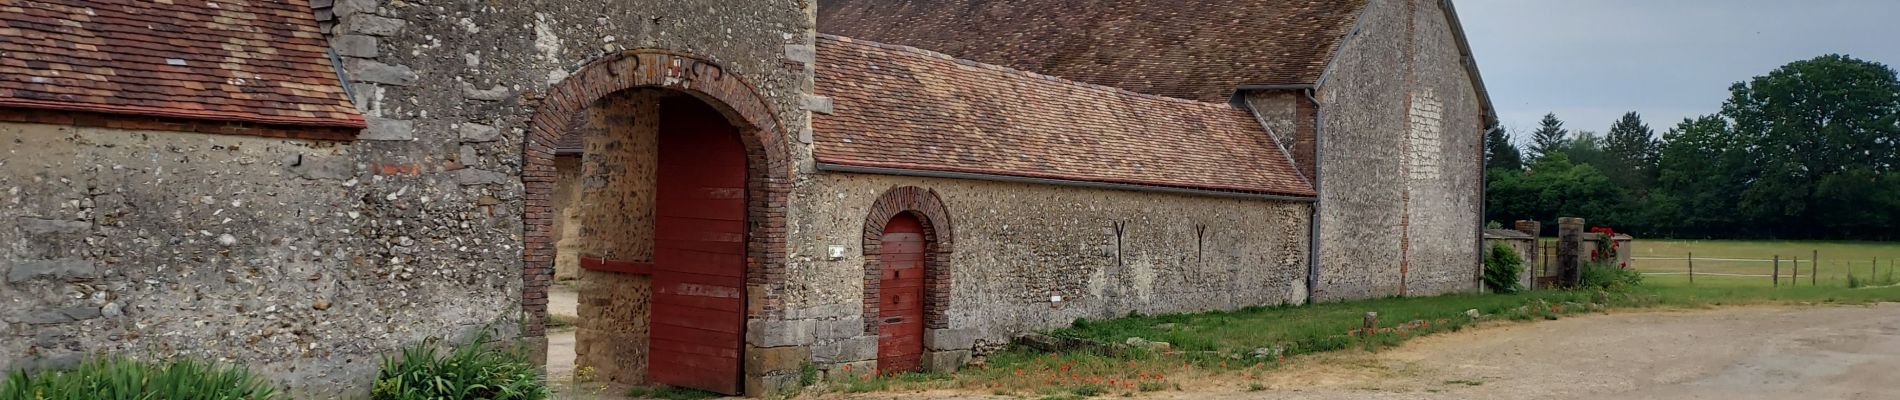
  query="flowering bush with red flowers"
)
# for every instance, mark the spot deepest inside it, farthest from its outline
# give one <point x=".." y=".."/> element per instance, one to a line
<point x="1604" y="271"/>
<point x="1607" y="247"/>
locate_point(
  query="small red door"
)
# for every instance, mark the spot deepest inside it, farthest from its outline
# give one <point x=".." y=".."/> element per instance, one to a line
<point x="900" y="333"/>
<point x="697" y="322"/>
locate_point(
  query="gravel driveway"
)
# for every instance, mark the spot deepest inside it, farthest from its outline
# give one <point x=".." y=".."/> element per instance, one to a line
<point x="1849" y="352"/>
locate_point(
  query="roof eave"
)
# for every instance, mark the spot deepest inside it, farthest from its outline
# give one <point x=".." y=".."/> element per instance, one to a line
<point x="1471" y="64"/>
<point x="848" y="166"/>
<point x="351" y="122"/>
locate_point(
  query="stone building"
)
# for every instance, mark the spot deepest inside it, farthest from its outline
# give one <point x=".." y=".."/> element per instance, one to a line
<point x="304" y="186"/>
<point x="1378" y="102"/>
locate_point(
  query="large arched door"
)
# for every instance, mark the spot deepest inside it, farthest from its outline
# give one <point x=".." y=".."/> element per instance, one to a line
<point x="900" y="333"/>
<point x="698" y="315"/>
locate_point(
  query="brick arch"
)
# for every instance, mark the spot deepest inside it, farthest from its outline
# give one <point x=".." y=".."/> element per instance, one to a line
<point x="940" y="242"/>
<point x="769" y="166"/>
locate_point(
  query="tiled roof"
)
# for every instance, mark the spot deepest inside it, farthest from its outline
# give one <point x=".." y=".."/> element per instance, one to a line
<point x="255" y="61"/>
<point x="1190" y="49"/>
<point x="904" y="108"/>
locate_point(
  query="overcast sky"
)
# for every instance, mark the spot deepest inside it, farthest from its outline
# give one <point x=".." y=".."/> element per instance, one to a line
<point x="1590" y="61"/>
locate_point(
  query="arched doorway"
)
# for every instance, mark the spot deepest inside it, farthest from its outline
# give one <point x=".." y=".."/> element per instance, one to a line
<point x="908" y="240"/>
<point x="688" y="170"/>
<point x="900" y="332"/>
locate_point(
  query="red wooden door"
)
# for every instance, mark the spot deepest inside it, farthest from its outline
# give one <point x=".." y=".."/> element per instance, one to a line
<point x="698" y="321"/>
<point x="900" y="319"/>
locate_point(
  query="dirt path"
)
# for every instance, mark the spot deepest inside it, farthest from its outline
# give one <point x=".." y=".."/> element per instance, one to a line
<point x="562" y="301"/>
<point x="1739" y="353"/>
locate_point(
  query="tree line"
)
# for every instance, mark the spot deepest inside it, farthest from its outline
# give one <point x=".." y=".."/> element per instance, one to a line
<point x="1808" y="151"/>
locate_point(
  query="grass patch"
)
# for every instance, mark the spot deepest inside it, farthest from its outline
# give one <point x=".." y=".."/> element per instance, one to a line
<point x="1089" y="390"/>
<point x="1250" y="333"/>
<point x="669" y="393"/>
<point x="1254" y="340"/>
<point x="121" y="378"/>
<point x="1153" y="386"/>
<point x="1838" y="259"/>
<point x="556" y="321"/>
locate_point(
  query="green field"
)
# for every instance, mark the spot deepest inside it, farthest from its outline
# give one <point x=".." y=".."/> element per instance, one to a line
<point x="1749" y="263"/>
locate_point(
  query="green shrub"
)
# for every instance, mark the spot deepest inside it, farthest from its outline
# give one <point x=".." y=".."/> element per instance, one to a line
<point x="121" y="378"/>
<point x="1502" y="267"/>
<point x="1609" y="277"/>
<point x="471" y="371"/>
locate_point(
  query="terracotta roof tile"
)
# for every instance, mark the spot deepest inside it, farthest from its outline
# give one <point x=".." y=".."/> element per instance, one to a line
<point x="900" y="107"/>
<point x="1190" y="49"/>
<point x="259" y="61"/>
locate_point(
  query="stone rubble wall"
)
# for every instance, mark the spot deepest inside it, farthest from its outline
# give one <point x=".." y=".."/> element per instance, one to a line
<point x="303" y="260"/>
<point x="1016" y="245"/>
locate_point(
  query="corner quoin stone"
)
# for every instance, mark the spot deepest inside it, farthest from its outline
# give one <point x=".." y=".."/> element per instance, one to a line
<point x="44" y="226"/>
<point x="946" y="361"/>
<point x="474" y="133"/>
<point x="773" y="359"/>
<point x="355" y="46"/>
<point x="768" y="333"/>
<point x="949" y="339"/>
<point x="857" y="349"/>
<point x="63" y="315"/>
<point x="376" y="25"/>
<point x="366" y="70"/>
<point x="388" y="129"/>
<point x="65" y="270"/>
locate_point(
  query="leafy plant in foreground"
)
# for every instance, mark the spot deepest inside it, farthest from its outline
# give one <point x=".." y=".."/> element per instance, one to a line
<point x="1502" y="267"/>
<point x="114" y="378"/>
<point x="469" y="371"/>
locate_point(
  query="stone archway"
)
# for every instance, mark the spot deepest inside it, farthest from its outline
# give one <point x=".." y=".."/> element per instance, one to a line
<point x="767" y="166"/>
<point x="940" y="241"/>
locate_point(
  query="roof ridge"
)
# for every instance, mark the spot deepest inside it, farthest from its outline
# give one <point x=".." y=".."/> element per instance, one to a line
<point x="1014" y="71"/>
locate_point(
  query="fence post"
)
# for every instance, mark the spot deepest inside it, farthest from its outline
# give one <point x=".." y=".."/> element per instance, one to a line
<point x="1814" y="269"/>
<point x="1777" y="272"/>
<point x="1797" y="272"/>
<point x="1692" y="268"/>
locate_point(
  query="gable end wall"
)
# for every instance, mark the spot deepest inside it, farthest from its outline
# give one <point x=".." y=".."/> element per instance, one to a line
<point x="1400" y="153"/>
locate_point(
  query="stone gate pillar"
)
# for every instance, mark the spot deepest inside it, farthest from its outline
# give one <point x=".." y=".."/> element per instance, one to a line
<point x="1534" y="266"/>
<point x="1570" y="251"/>
<point x="1529" y="227"/>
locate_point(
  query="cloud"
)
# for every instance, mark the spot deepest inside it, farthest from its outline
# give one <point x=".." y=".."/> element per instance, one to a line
<point x="1591" y="61"/>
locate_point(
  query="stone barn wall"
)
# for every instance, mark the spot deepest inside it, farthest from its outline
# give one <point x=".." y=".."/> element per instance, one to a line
<point x="1445" y="169"/>
<point x="1399" y="159"/>
<point x="308" y="260"/>
<point x="1016" y="245"/>
<point x="305" y="260"/>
